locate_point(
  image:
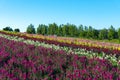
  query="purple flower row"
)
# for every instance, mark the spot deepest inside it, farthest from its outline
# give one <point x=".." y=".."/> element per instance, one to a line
<point x="20" y="61"/>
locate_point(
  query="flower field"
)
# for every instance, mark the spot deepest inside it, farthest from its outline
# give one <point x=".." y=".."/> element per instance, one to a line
<point x="108" y="48"/>
<point x="36" y="57"/>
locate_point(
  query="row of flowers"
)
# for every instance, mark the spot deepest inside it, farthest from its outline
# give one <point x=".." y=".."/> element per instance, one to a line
<point x="75" y="41"/>
<point x="20" y="61"/>
<point x="88" y="48"/>
<point x="81" y="52"/>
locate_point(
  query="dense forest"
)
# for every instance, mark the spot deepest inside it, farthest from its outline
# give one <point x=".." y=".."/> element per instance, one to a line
<point x="71" y="30"/>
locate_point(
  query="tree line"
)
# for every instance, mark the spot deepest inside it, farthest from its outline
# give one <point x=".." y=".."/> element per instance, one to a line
<point x="10" y="29"/>
<point x="71" y="30"/>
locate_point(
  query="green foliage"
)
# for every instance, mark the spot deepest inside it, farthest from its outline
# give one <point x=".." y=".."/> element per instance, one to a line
<point x="42" y="29"/>
<point x="16" y="30"/>
<point x="53" y="29"/>
<point x="96" y="33"/>
<point x="111" y="33"/>
<point x="103" y="34"/>
<point x="85" y="31"/>
<point x="90" y="33"/>
<point x="31" y="29"/>
<point x="60" y="31"/>
<point x="7" y="29"/>
<point x="81" y="31"/>
<point x="71" y="30"/>
<point x="65" y="30"/>
<point x="119" y="34"/>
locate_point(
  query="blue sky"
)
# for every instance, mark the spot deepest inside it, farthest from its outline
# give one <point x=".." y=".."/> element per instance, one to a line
<point x="96" y="13"/>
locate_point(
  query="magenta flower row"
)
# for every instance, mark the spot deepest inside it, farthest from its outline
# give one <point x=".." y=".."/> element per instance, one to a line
<point x="20" y="61"/>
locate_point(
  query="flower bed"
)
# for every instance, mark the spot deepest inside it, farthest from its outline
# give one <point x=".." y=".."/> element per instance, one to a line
<point x="98" y="49"/>
<point x="81" y="52"/>
<point x="20" y="61"/>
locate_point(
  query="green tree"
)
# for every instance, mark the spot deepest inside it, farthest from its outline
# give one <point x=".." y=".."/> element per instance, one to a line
<point x="60" y="31"/>
<point x="7" y="29"/>
<point x="72" y="30"/>
<point x="39" y="29"/>
<point x="95" y="34"/>
<point x="31" y="29"/>
<point x="103" y="34"/>
<point x="53" y="29"/>
<point x="17" y="30"/>
<point x="42" y="29"/>
<point x="85" y="31"/>
<point x="119" y="34"/>
<point x="111" y="33"/>
<point x="90" y="32"/>
<point x="81" y="31"/>
<point x="65" y="30"/>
